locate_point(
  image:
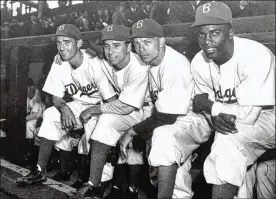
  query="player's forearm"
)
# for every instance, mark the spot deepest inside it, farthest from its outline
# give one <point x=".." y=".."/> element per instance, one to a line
<point x="117" y="107"/>
<point x="245" y="114"/>
<point x="58" y="103"/>
<point x="146" y="127"/>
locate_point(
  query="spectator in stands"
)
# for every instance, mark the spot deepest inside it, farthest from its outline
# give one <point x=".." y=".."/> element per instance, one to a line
<point x="118" y="17"/>
<point x="145" y="7"/>
<point x="5" y="29"/>
<point x="180" y="12"/>
<point x="133" y="13"/>
<point x="107" y="17"/>
<point x="33" y="27"/>
<point x="158" y="11"/>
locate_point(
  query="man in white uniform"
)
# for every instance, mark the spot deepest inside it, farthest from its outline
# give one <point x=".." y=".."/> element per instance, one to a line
<point x="235" y="85"/>
<point x="175" y="131"/>
<point x="82" y="79"/>
<point x="129" y="77"/>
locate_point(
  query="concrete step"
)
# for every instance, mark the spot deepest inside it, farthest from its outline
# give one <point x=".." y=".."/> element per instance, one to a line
<point x="50" y="189"/>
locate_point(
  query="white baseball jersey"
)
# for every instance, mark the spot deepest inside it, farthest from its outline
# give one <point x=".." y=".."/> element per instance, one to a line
<point x="248" y="78"/>
<point x="171" y="83"/>
<point x="131" y="82"/>
<point x="86" y="84"/>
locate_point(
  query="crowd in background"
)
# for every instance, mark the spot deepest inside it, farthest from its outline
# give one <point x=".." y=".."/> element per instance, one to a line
<point x="126" y="13"/>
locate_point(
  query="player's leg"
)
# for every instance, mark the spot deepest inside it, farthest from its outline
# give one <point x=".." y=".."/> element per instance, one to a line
<point x="173" y="145"/>
<point x="226" y="165"/>
<point x="265" y="184"/>
<point x="107" y="132"/>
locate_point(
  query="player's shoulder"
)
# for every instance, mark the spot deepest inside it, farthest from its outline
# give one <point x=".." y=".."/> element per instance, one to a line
<point x="136" y="63"/>
<point x="251" y="48"/>
<point x="175" y="56"/>
<point x="199" y="61"/>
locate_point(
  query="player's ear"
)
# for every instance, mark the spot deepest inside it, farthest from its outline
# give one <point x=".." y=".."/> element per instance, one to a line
<point x="79" y="43"/>
<point x="162" y="42"/>
<point x="128" y="46"/>
<point x="231" y="32"/>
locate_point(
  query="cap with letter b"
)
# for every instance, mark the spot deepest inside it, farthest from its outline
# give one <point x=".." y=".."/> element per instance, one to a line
<point x="212" y="13"/>
<point x="115" y="32"/>
<point x="146" y="28"/>
<point x="68" y="30"/>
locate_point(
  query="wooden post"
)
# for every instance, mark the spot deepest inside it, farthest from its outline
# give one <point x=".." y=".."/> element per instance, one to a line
<point x="17" y="76"/>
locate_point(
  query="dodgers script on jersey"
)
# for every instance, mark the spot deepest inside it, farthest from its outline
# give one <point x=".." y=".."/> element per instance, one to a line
<point x="86" y="84"/>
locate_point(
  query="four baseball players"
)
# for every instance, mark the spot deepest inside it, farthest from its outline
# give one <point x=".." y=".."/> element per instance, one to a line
<point x="229" y="85"/>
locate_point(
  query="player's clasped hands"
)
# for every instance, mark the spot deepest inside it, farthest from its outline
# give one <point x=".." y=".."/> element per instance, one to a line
<point x="224" y="123"/>
<point x="68" y="119"/>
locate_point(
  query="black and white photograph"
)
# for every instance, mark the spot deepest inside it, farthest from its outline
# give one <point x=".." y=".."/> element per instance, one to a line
<point x="137" y="99"/>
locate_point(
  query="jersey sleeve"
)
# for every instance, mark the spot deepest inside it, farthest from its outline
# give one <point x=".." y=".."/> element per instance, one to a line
<point x="257" y="78"/>
<point x="53" y="84"/>
<point x="135" y="88"/>
<point x="96" y="74"/>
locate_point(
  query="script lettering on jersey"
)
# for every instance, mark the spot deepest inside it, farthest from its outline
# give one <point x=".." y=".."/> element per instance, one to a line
<point x="88" y="90"/>
<point x="228" y="97"/>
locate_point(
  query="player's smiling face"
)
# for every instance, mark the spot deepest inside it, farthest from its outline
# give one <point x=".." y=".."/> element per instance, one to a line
<point x="149" y="49"/>
<point x="215" y="41"/>
<point x="117" y="52"/>
<point x="67" y="47"/>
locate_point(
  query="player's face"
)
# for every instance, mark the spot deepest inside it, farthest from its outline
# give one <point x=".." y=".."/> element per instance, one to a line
<point x="117" y="52"/>
<point x="215" y="40"/>
<point x="67" y="47"/>
<point x="148" y="49"/>
<point x="31" y="92"/>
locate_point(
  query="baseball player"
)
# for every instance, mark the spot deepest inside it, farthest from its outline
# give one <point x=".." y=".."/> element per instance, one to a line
<point x="35" y="108"/>
<point x="235" y="85"/>
<point x="80" y="78"/>
<point x="129" y="76"/>
<point x="175" y="131"/>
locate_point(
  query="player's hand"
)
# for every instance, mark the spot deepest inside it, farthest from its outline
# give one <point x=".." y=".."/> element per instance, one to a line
<point x="126" y="141"/>
<point x="85" y="116"/>
<point x="224" y="123"/>
<point x="67" y="118"/>
<point x="58" y="59"/>
<point x="88" y="113"/>
<point x="95" y="50"/>
<point x="199" y="102"/>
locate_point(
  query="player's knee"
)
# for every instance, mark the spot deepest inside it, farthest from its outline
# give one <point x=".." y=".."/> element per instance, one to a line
<point x="261" y="171"/>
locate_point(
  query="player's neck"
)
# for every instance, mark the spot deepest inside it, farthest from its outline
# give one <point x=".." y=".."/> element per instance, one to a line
<point x="77" y="60"/>
<point x="123" y="64"/>
<point x="227" y="54"/>
<point x="159" y="58"/>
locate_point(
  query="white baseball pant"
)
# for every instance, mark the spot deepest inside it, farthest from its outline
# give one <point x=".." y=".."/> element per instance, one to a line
<point x="265" y="183"/>
<point x="175" y="143"/>
<point x="232" y="154"/>
<point x="31" y="129"/>
<point x="111" y="127"/>
<point x="51" y="128"/>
